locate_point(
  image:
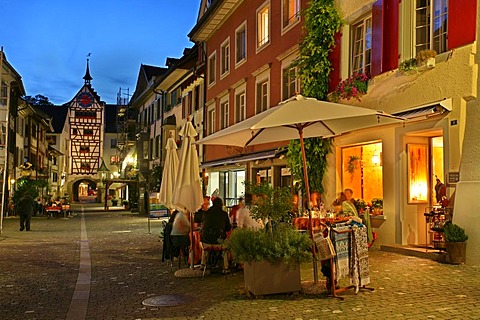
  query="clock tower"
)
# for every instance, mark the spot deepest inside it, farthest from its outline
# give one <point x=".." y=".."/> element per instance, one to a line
<point x="86" y="119"/>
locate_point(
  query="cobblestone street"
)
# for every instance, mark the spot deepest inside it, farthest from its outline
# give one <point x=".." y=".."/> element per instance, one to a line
<point x="39" y="270"/>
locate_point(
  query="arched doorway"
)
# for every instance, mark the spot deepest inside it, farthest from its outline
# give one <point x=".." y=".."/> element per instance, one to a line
<point x="85" y="190"/>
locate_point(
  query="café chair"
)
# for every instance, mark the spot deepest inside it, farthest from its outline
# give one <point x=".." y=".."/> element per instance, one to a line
<point x="211" y="253"/>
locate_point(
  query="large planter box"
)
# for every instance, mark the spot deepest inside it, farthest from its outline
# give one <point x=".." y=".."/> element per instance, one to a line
<point x="263" y="278"/>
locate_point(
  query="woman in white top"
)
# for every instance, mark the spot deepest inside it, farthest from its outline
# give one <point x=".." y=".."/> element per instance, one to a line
<point x="244" y="216"/>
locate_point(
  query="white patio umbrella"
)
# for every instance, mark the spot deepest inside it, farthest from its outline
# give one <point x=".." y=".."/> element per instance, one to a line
<point x="169" y="174"/>
<point x="187" y="194"/>
<point x="299" y="118"/>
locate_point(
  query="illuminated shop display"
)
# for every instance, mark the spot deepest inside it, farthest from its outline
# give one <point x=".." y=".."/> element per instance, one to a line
<point x="417" y="173"/>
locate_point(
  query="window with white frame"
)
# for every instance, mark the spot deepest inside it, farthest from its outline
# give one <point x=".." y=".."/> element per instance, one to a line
<point x="3" y="93"/>
<point x="224" y="114"/>
<point x="211" y="120"/>
<point x="431" y="25"/>
<point x="212" y="68"/>
<point x="240" y="111"/>
<point x="262" y="96"/>
<point x="361" y="44"/>
<point x="225" y="57"/>
<point x="263" y="25"/>
<point x="290" y="82"/>
<point x="291" y="12"/>
<point x="241" y="43"/>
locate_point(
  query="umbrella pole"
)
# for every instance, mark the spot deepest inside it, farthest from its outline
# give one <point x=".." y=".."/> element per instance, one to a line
<point x="191" y="253"/>
<point x="307" y="191"/>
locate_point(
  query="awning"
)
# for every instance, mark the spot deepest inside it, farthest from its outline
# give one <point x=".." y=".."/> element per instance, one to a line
<point x="244" y="158"/>
<point x="426" y="111"/>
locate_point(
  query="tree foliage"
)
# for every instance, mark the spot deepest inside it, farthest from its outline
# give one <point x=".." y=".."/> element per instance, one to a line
<point x="270" y="203"/>
<point x="317" y="150"/>
<point x="322" y="22"/>
<point x="26" y="185"/>
<point x="38" y="100"/>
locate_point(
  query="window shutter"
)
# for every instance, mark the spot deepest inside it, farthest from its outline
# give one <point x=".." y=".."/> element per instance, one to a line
<point x="384" y="36"/>
<point x="334" y="57"/>
<point x="462" y="22"/>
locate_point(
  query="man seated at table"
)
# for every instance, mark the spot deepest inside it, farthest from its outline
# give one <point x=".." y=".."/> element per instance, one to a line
<point x="198" y="216"/>
<point x="215" y="225"/>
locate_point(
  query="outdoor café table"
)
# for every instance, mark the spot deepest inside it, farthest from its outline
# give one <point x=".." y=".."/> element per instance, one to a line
<point x="53" y="211"/>
<point x="301" y="223"/>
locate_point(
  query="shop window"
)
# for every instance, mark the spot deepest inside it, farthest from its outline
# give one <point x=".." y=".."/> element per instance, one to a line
<point x="362" y="171"/>
<point x="417" y="173"/>
<point x="431" y="25"/>
<point x="361" y="44"/>
<point x="264" y="176"/>
<point x="437" y="165"/>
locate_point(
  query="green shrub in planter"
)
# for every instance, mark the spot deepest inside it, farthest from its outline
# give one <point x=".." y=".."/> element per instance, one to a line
<point x="283" y="245"/>
<point x="454" y="233"/>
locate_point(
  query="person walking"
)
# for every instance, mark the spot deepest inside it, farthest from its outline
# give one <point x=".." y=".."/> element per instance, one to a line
<point x="26" y="207"/>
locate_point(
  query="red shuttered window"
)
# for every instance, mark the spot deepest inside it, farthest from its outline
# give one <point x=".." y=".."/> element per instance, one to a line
<point x="462" y="22"/>
<point x="385" y="15"/>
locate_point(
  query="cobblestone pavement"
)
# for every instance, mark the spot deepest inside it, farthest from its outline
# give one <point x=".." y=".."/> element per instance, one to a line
<point x="39" y="269"/>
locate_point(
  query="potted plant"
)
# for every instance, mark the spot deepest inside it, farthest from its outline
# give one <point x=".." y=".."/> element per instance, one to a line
<point x="114" y="202"/>
<point x="125" y="204"/>
<point x="456" y="243"/>
<point x="271" y="257"/>
<point x="408" y="66"/>
<point x="377" y="206"/>
<point x="426" y="58"/>
<point x="360" y="205"/>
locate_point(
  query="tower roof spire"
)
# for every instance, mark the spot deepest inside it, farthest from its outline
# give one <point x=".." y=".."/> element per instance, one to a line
<point x="87" y="77"/>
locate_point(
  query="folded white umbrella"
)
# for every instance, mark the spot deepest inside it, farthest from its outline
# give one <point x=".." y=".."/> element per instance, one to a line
<point x="187" y="194"/>
<point x="169" y="174"/>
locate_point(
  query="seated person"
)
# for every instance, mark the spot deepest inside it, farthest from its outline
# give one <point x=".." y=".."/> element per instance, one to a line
<point x="179" y="235"/>
<point x="348" y="206"/>
<point x="198" y="216"/>
<point x="244" y="216"/>
<point x="215" y="226"/>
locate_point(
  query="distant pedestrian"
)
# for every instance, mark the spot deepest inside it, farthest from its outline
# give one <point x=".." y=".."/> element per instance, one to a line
<point x="26" y="207"/>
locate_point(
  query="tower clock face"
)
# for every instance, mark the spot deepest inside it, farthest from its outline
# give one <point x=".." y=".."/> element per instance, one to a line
<point x="85" y="99"/>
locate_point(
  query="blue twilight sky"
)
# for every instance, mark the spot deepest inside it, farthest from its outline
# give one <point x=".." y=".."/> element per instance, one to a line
<point x="47" y="42"/>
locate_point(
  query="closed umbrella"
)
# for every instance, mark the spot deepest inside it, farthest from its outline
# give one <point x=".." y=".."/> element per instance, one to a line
<point x="298" y="118"/>
<point x="187" y="194"/>
<point x="169" y="173"/>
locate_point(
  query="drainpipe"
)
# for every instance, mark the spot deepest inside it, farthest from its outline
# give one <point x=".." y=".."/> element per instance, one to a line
<point x="204" y="127"/>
